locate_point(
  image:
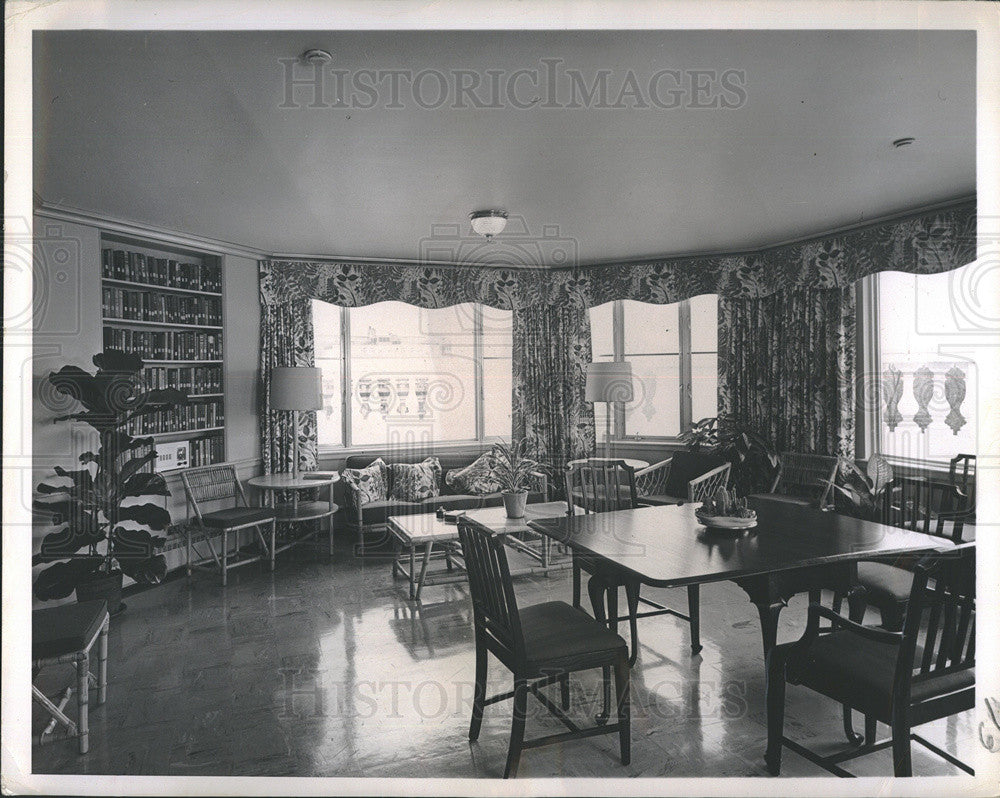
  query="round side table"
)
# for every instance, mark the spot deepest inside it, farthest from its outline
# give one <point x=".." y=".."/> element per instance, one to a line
<point x="296" y="511"/>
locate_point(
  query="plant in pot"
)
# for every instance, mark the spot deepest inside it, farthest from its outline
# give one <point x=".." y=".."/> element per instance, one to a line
<point x="105" y="521"/>
<point x="513" y="470"/>
<point x="860" y="493"/>
<point x="754" y="461"/>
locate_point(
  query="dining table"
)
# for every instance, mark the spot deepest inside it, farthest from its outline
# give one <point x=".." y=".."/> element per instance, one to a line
<point x="791" y="550"/>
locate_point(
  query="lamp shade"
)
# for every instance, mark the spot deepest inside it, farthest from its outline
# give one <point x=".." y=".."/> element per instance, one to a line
<point x="609" y="382"/>
<point x="296" y="388"/>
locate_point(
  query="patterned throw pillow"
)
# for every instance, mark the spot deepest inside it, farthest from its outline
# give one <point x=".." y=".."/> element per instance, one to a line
<point x="476" y="478"/>
<point x="414" y="482"/>
<point x="370" y="481"/>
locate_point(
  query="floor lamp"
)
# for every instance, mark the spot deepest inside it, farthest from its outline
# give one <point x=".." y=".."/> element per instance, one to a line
<point x="609" y="381"/>
<point x="296" y="388"/>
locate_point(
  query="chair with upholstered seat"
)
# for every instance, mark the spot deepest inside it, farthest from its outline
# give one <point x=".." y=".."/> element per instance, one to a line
<point x="683" y="477"/>
<point x="802" y="479"/>
<point x="220" y="483"/>
<point x="600" y="485"/>
<point x="541" y="645"/>
<point x="903" y="679"/>
<point x="64" y="634"/>
<point x="921" y="505"/>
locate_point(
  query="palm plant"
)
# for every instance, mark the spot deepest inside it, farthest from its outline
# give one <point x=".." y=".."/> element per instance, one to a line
<point x="104" y="526"/>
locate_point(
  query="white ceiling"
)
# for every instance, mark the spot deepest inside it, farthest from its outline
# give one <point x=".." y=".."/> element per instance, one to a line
<point x="185" y="131"/>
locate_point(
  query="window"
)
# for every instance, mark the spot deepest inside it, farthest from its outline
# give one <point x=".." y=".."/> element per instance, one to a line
<point x="922" y="347"/>
<point x="672" y="349"/>
<point x="412" y="375"/>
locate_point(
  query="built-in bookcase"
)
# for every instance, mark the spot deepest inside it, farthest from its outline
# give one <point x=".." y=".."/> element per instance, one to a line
<point x="165" y="305"/>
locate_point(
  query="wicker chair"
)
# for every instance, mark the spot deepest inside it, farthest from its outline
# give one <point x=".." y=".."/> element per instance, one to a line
<point x="217" y="483"/>
<point x="686" y="476"/>
<point x="803" y="479"/>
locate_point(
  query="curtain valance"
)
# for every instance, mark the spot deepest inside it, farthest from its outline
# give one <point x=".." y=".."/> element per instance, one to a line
<point x="925" y="243"/>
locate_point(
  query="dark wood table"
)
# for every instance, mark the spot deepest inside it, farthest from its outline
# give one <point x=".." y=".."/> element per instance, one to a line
<point x="792" y="549"/>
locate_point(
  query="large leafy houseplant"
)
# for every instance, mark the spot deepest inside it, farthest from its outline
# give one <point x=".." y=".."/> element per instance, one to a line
<point x="105" y="521"/>
<point x="862" y="494"/>
<point x="754" y="461"/>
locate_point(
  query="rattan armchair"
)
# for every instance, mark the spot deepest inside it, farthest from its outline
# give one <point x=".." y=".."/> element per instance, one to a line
<point x="685" y="476"/>
<point x="219" y="483"/>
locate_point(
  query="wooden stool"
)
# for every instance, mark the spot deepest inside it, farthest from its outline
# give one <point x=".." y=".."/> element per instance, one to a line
<point x="66" y="634"/>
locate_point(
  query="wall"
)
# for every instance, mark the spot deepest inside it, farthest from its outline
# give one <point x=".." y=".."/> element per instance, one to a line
<point x="67" y="329"/>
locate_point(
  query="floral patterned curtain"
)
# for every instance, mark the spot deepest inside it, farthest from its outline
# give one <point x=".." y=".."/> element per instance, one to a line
<point x="778" y="356"/>
<point x="926" y="243"/>
<point x="787" y="368"/>
<point x="551" y="352"/>
<point x="286" y="339"/>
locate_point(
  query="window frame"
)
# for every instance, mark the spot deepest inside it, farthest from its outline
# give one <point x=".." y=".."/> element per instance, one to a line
<point x="868" y="353"/>
<point x="684" y="367"/>
<point x="347" y="443"/>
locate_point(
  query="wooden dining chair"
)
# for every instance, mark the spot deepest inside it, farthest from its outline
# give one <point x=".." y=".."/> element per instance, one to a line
<point x="541" y="645"/>
<point x="962" y="474"/>
<point x="220" y="483"/>
<point x="920" y="505"/>
<point x="601" y="485"/>
<point x="901" y="678"/>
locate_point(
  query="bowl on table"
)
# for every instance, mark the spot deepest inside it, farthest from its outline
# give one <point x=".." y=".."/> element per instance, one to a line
<point x="726" y="522"/>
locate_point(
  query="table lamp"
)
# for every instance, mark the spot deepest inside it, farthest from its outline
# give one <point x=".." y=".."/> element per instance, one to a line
<point x="296" y="388"/>
<point x="609" y="381"/>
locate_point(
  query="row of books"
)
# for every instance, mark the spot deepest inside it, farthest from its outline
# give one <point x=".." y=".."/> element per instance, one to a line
<point x="194" y="416"/>
<point x="205" y="451"/>
<point x="137" y="267"/>
<point x="168" y="345"/>
<point x="171" y="455"/>
<point x="192" y="380"/>
<point x="119" y="303"/>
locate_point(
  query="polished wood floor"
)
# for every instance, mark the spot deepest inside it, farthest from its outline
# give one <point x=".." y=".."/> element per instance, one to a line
<point x="324" y="668"/>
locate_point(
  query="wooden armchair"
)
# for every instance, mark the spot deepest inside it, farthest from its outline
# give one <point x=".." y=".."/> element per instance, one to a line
<point x="903" y="679"/>
<point x="685" y="476"/>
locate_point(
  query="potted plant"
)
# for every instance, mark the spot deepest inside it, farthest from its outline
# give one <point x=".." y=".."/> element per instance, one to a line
<point x="754" y="461"/>
<point x="513" y="470"/>
<point x="105" y="526"/>
<point x="862" y="493"/>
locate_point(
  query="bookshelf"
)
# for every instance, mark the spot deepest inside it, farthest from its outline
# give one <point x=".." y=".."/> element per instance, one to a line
<point x="165" y="305"/>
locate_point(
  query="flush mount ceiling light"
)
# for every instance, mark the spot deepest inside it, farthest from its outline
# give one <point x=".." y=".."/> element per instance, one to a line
<point x="488" y="223"/>
<point x="903" y="142"/>
<point x="316" y="57"/>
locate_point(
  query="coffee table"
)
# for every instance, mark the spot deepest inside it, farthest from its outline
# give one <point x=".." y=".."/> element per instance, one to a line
<point x="424" y="536"/>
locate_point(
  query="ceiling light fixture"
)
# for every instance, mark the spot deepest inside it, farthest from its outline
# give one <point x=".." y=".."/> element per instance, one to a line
<point x="488" y="223"/>
<point x="316" y="57"/>
<point x="903" y="142"/>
